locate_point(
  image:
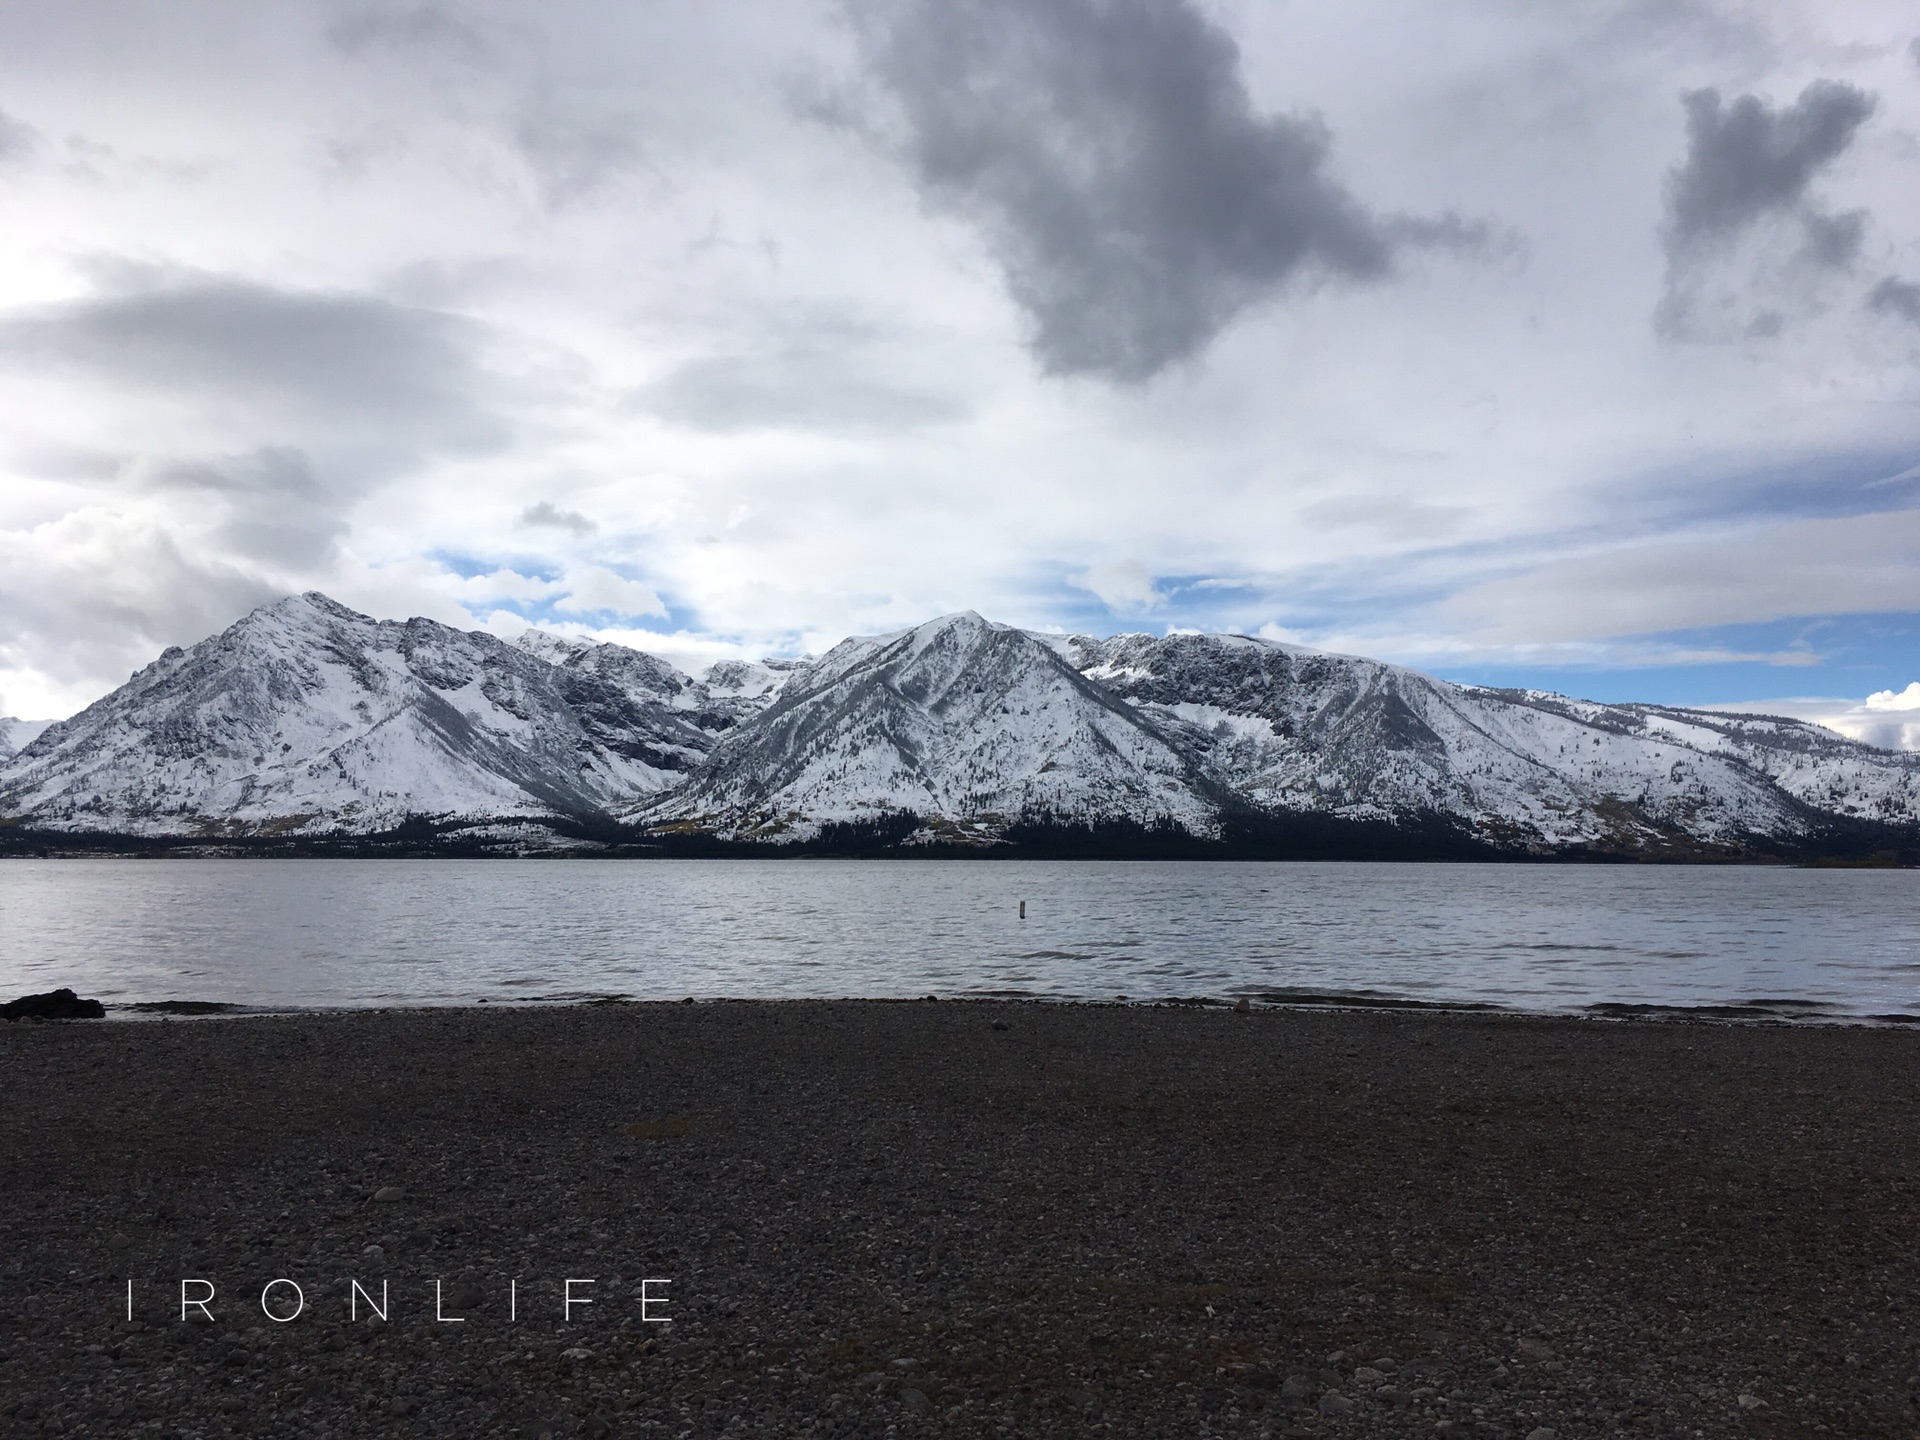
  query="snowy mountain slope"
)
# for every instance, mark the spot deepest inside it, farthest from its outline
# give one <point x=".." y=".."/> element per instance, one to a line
<point x="1296" y="730"/>
<point x="970" y="725"/>
<point x="632" y="702"/>
<point x="741" y="689"/>
<point x="307" y="716"/>
<point x="1809" y="763"/>
<point x="16" y="735"/>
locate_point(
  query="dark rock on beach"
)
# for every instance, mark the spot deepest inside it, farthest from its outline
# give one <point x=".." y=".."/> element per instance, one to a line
<point x="60" y="1004"/>
<point x="891" y="1219"/>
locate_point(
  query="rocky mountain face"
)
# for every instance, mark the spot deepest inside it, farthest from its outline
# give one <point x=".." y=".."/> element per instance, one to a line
<point x="308" y="718"/>
<point x="968" y="725"/>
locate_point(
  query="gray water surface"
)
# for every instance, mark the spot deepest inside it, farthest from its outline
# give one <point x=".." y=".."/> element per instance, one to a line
<point x="305" y="933"/>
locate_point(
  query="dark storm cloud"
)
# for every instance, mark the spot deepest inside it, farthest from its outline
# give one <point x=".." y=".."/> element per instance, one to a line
<point x="547" y="515"/>
<point x="269" y="358"/>
<point x="1109" y="150"/>
<point x="1749" y="164"/>
<point x="1748" y="160"/>
<point x="1894" y="296"/>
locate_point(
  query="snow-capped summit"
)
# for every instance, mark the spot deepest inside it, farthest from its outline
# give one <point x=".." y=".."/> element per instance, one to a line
<point x="969" y="725"/>
<point x="306" y="715"/>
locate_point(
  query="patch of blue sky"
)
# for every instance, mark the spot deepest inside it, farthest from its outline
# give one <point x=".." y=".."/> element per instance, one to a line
<point x="1826" y="656"/>
<point x="468" y="566"/>
<point x="1194" y="602"/>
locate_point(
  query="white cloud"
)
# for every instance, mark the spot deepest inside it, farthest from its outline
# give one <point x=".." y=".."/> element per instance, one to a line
<point x="506" y="584"/>
<point x="1123" y="586"/>
<point x="1907" y="699"/>
<point x="1752" y="572"/>
<point x="595" y="588"/>
<point x="1891" y="726"/>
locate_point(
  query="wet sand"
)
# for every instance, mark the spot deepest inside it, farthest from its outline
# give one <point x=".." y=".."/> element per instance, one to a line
<point x="934" y="1218"/>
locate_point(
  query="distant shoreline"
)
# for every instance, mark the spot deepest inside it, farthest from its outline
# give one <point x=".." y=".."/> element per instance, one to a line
<point x="1794" y="1014"/>
<point x="1305" y="838"/>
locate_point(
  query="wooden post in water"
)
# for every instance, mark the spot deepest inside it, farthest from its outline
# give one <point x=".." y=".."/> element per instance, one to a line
<point x="1023" y="909"/>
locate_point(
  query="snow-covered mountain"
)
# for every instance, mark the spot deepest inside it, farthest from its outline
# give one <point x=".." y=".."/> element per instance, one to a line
<point x="1292" y="730"/>
<point x="969" y="725"/>
<point x="305" y="717"/>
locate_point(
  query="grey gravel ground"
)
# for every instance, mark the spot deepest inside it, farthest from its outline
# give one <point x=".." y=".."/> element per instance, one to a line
<point x="961" y="1218"/>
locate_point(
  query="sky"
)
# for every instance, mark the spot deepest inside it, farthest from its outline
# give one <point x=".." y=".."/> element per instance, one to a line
<point x="1571" y="346"/>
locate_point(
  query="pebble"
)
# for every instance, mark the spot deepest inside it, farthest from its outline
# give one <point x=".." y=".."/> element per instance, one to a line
<point x="1334" y="1403"/>
<point x="387" y="1194"/>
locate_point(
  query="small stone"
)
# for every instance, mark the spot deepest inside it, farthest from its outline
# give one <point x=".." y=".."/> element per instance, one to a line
<point x="1534" y="1349"/>
<point x="1296" y="1388"/>
<point x="1242" y="1006"/>
<point x="1543" y="1432"/>
<point x="1752" y="1402"/>
<point x="1334" y="1403"/>
<point x="1367" y="1375"/>
<point x="117" y="1241"/>
<point x="914" y="1399"/>
<point x="387" y="1194"/>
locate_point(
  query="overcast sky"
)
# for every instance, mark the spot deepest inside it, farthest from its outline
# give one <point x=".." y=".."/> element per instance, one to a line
<point x="1574" y="345"/>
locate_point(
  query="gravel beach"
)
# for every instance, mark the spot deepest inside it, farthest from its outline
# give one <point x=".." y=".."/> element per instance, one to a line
<point x="958" y="1218"/>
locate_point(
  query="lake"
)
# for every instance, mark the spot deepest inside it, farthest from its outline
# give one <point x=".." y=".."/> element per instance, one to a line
<point x="330" y="933"/>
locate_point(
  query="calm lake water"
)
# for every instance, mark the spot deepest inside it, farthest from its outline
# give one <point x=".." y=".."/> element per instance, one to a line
<point x="299" y="933"/>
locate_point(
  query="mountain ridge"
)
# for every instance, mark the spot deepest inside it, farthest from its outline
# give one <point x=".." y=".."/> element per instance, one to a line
<point x="306" y="721"/>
